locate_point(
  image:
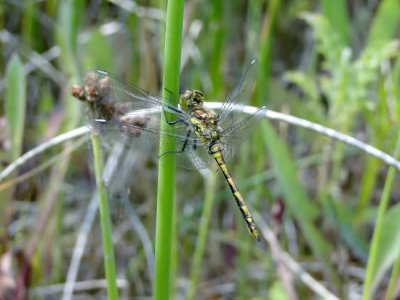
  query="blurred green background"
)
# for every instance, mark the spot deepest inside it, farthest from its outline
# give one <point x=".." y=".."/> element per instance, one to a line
<point x="335" y="63"/>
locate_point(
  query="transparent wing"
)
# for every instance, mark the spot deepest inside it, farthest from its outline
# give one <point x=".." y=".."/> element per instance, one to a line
<point x="143" y="131"/>
<point x="237" y="125"/>
<point x="195" y="156"/>
<point x="245" y="125"/>
<point x="231" y="110"/>
<point x="127" y="97"/>
<point x="238" y="132"/>
<point x="119" y="107"/>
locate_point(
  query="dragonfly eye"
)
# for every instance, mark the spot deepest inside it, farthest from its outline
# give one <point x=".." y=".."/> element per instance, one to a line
<point x="187" y="95"/>
<point x="191" y="99"/>
<point x="198" y="97"/>
<point x="185" y="99"/>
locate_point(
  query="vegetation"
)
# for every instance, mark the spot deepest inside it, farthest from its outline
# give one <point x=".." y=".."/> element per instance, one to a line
<point x="328" y="213"/>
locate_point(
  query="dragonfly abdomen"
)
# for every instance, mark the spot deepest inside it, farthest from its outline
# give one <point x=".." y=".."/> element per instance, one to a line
<point x="216" y="153"/>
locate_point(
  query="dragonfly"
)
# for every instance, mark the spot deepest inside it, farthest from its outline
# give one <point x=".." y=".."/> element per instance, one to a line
<point x="204" y="138"/>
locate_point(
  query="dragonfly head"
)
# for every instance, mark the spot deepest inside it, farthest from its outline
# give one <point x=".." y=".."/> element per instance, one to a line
<point x="191" y="99"/>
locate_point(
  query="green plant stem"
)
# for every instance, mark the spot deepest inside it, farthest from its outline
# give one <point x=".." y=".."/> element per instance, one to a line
<point x="383" y="204"/>
<point x="393" y="280"/>
<point x="264" y="77"/>
<point x="202" y="237"/>
<point x="15" y="104"/>
<point x="14" y="109"/>
<point x="243" y="257"/>
<point x="105" y="220"/>
<point x="166" y="174"/>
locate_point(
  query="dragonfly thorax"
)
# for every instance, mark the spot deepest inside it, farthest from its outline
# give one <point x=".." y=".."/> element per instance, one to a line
<point x="205" y="123"/>
<point x="191" y="99"/>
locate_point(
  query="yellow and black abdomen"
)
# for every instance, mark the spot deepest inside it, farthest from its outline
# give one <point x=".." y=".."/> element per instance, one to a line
<point x="216" y="152"/>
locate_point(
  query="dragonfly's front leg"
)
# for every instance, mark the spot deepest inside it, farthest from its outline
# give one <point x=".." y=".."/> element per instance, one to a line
<point x="172" y="123"/>
<point x="183" y="146"/>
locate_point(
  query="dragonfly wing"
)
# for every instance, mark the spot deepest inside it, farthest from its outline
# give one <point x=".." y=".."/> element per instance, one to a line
<point x="239" y="131"/>
<point x="123" y="112"/>
<point x="191" y="153"/>
<point x="231" y="109"/>
<point x="115" y="97"/>
<point x="195" y="159"/>
<point x="142" y="131"/>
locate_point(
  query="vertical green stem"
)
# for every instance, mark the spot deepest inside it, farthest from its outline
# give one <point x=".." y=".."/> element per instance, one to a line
<point x="106" y="232"/>
<point x="264" y="77"/>
<point x="243" y="257"/>
<point x="383" y="204"/>
<point x="166" y="174"/>
<point x="202" y="237"/>
<point x="393" y="281"/>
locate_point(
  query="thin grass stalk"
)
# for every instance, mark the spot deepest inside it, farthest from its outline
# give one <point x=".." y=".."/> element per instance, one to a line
<point x="383" y="204"/>
<point x="393" y="280"/>
<point x="264" y="73"/>
<point x="14" y="110"/>
<point x="15" y="104"/>
<point x="105" y="220"/>
<point x="202" y="236"/>
<point x="166" y="175"/>
<point x="242" y="259"/>
<point x="217" y="40"/>
<point x="367" y="185"/>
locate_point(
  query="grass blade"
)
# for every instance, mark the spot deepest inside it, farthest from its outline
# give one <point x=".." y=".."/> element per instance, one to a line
<point x="105" y="220"/>
<point x="202" y="237"/>
<point x="385" y="23"/>
<point x="15" y="104"/>
<point x="382" y="244"/>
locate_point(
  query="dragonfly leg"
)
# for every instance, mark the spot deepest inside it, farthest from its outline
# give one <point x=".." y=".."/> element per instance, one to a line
<point x="195" y="144"/>
<point x="177" y="122"/>
<point x="183" y="146"/>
